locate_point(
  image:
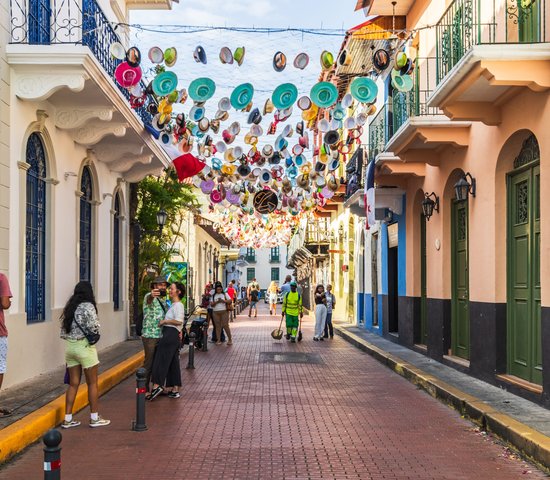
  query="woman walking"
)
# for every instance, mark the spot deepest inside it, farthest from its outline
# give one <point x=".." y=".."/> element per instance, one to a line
<point x="331" y="304"/>
<point x="320" y="312"/>
<point x="166" y="364"/>
<point x="272" y="293"/>
<point x="219" y="303"/>
<point x="79" y="318"/>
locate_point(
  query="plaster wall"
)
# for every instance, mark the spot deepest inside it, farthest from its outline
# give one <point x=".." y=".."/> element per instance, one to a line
<point x="4" y="137"/>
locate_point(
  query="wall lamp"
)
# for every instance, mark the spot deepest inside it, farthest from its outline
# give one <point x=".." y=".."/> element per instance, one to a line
<point x="463" y="187"/>
<point x="429" y="205"/>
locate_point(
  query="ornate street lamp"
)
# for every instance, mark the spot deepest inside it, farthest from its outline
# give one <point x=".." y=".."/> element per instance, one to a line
<point x="162" y="216"/>
<point x="463" y="187"/>
<point x="429" y="205"/>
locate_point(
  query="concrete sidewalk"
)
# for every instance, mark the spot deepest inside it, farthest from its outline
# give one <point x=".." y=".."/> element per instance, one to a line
<point x="38" y="404"/>
<point x="523" y="424"/>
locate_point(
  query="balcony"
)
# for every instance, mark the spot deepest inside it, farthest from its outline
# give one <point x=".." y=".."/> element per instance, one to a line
<point x="274" y="258"/>
<point x="250" y="258"/>
<point x="59" y="52"/>
<point x="485" y="50"/>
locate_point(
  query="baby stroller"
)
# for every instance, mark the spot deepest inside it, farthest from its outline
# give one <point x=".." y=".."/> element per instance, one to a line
<point x="199" y="324"/>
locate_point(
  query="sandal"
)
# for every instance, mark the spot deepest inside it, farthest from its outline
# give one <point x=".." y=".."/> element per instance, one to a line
<point x="4" y="412"/>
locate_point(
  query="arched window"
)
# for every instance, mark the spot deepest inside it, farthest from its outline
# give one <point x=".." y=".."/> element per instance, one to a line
<point x="86" y="219"/>
<point x="116" y="254"/>
<point x="35" y="236"/>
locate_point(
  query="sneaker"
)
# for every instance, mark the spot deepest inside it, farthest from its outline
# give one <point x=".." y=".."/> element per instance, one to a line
<point x="321" y="339"/>
<point x="230" y="342"/>
<point x="315" y="339"/>
<point x="174" y="395"/>
<point x="155" y="393"/>
<point x="293" y="340"/>
<point x="71" y="424"/>
<point x="270" y="312"/>
<point x="287" y="336"/>
<point x="100" y="422"/>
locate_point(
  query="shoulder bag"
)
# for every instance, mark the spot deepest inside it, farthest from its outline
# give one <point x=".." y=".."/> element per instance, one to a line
<point x="92" y="337"/>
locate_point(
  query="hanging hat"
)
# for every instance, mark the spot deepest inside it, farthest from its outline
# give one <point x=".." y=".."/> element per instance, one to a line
<point x="400" y="60"/>
<point x="324" y="94"/>
<point x="196" y="113"/>
<point x="284" y="96"/>
<point x="403" y="83"/>
<point x="266" y="176"/>
<point x="204" y="124"/>
<point x="333" y="164"/>
<point x="281" y="143"/>
<point x="344" y="59"/>
<point x="164" y="83"/>
<point x="288" y="131"/>
<point x="242" y="96"/>
<point x="338" y="113"/>
<point x="207" y="186"/>
<point x="283" y="114"/>
<point x="304" y="103"/>
<point x="331" y="137"/>
<point x="323" y="125"/>
<point x="297" y="149"/>
<point x="187" y="165"/>
<point x="202" y="89"/>
<point x="304" y="141"/>
<point x="332" y="183"/>
<point x="199" y="55"/>
<point x="221" y="116"/>
<point x="243" y="169"/>
<point x="239" y="55"/>
<point x="279" y="61"/>
<point x="215" y="125"/>
<point x="224" y="104"/>
<point x="248" y="108"/>
<point x="320" y="181"/>
<point x="255" y="117"/>
<point x="156" y="55"/>
<point x="216" y="163"/>
<point x="256" y="130"/>
<point x="268" y="106"/>
<point x="361" y="119"/>
<point x="250" y="139"/>
<point x="335" y="124"/>
<point x="133" y="57"/>
<point x="275" y="159"/>
<point x="221" y="147"/>
<point x="229" y="155"/>
<point x="300" y="128"/>
<point x="127" y="76"/>
<point x="407" y="68"/>
<point x="327" y="60"/>
<point x="320" y="167"/>
<point x="170" y="56"/>
<point x="381" y="59"/>
<point x="364" y="89"/>
<point x="349" y="123"/>
<point x="235" y="128"/>
<point x="229" y="169"/>
<point x="226" y="56"/>
<point x="303" y="180"/>
<point x="228" y="138"/>
<point x="267" y="151"/>
<point x="117" y="51"/>
<point x="301" y="61"/>
<point x="217" y="195"/>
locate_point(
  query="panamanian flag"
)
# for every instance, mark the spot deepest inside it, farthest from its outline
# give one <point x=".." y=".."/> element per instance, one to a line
<point x="369" y="195"/>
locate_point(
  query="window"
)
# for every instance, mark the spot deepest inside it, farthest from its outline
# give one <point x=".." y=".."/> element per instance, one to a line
<point x="274" y="256"/>
<point x="250" y="255"/>
<point x="86" y="187"/>
<point x="116" y="254"/>
<point x="275" y="274"/>
<point x="35" y="232"/>
<point x="250" y="274"/>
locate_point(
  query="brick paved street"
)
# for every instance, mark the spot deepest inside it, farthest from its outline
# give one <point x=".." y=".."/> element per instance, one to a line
<point x="243" y="416"/>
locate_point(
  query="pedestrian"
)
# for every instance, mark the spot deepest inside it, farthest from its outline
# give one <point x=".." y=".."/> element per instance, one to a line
<point x="292" y="311"/>
<point x="253" y="285"/>
<point x="166" y="364"/>
<point x="5" y="303"/>
<point x="320" y="312"/>
<point x="210" y="290"/>
<point x="233" y="294"/>
<point x="285" y="287"/>
<point x="272" y="293"/>
<point x="331" y="304"/>
<point x="220" y="301"/>
<point x="79" y="318"/>
<point x="154" y="311"/>
<point x="253" y="297"/>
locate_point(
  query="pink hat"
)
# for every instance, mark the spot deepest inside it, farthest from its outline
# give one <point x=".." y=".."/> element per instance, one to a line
<point x="127" y="76"/>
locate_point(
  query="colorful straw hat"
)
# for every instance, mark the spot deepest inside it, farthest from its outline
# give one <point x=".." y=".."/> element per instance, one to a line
<point x="327" y="60"/>
<point x="242" y="96"/>
<point x="279" y="61"/>
<point x="199" y="55"/>
<point x="239" y="55"/>
<point x="381" y="59"/>
<point x="403" y="83"/>
<point x="202" y="89"/>
<point x="170" y="56"/>
<point x="127" y="76"/>
<point x="344" y="59"/>
<point x="165" y="83"/>
<point x="156" y="55"/>
<point x="284" y="96"/>
<point x="226" y="56"/>
<point x="304" y="103"/>
<point x="133" y="57"/>
<point x="268" y="106"/>
<point x="324" y="94"/>
<point x="301" y="61"/>
<point x="117" y="51"/>
<point x="364" y="89"/>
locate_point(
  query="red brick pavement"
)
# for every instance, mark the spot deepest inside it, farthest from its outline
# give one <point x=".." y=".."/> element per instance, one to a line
<point x="238" y="418"/>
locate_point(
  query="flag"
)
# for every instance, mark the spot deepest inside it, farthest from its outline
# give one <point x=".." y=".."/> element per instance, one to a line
<point x="186" y="164"/>
<point x="369" y="194"/>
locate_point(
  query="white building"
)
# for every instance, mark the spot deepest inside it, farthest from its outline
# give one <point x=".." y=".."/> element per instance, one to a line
<point x="265" y="264"/>
<point x="69" y="145"/>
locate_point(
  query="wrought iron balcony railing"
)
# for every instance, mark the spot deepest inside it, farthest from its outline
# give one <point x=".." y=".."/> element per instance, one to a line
<point x="466" y="23"/>
<point x="71" y="22"/>
<point x="317" y="234"/>
<point x="378" y="133"/>
<point x="355" y="172"/>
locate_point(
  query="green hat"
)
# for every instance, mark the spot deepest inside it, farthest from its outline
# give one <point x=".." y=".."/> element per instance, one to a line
<point x="364" y="89"/>
<point x="239" y="55"/>
<point x="202" y="89"/>
<point x="293" y="284"/>
<point x="327" y="60"/>
<point x="403" y="83"/>
<point x="242" y="96"/>
<point x="284" y="96"/>
<point x="165" y="83"/>
<point x="324" y="94"/>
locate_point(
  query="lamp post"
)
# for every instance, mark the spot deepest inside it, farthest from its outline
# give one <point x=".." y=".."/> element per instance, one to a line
<point x="162" y="216"/>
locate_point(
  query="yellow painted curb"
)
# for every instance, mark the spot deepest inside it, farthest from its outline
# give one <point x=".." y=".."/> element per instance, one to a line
<point x="20" y="434"/>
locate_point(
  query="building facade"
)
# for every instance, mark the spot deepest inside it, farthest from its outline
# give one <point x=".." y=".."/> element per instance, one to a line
<point x="264" y="264"/>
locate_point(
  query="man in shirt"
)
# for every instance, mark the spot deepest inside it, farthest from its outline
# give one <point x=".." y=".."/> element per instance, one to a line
<point x="331" y="303"/>
<point x="293" y="311"/>
<point x="5" y="303"/>
<point x="253" y="297"/>
<point x="233" y="294"/>
<point x="154" y="310"/>
<point x="285" y="287"/>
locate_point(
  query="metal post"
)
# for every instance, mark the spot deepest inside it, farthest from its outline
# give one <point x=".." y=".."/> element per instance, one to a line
<point x="138" y="425"/>
<point x="191" y="364"/>
<point x="205" y="337"/>
<point x="52" y="455"/>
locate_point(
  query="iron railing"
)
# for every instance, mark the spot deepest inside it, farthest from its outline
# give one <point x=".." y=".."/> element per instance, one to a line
<point x="466" y="23"/>
<point x="317" y="233"/>
<point x="355" y="171"/>
<point x="73" y="22"/>
<point x="378" y="133"/>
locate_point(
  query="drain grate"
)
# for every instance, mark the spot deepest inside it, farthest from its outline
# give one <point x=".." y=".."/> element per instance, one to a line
<point x="290" y="357"/>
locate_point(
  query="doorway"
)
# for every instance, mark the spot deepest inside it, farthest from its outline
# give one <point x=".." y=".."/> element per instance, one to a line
<point x="393" y="312"/>
<point x="374" y="277"/>
<point x="423" y="334"/>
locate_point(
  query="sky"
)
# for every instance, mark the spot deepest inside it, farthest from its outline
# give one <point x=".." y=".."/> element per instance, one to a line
<point x="260" y="47"/>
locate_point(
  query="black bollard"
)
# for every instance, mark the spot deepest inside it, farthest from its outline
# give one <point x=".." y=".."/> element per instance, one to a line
<point x="138" y="425"/>
<point x="52" y="455"/>
<point x="205" y="337"/>
<point x="191" y="363"/>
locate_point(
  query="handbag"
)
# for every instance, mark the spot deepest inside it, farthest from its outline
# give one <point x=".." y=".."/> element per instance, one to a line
<point x="92" y="337"/>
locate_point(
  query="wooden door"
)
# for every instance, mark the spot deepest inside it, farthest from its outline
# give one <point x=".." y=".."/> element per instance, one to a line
<point x="423" y="337"/>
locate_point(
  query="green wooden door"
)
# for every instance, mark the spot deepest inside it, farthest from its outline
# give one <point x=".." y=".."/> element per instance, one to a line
<point x="460" y="316"/>
<point x="524" y="320"/>
<point x="423" y="289"/>
<point x="528" y="12"/>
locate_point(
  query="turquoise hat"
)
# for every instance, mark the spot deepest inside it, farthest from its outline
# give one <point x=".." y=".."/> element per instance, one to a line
<point x="364" y="89"/>
<point x="242" y="96"/>
<point x="403" y="83"/>
<point x="165" y="83"/>
<point x="324" y="94"/>
<point x="202" y="89"/>
<point x="284" y="96"/>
